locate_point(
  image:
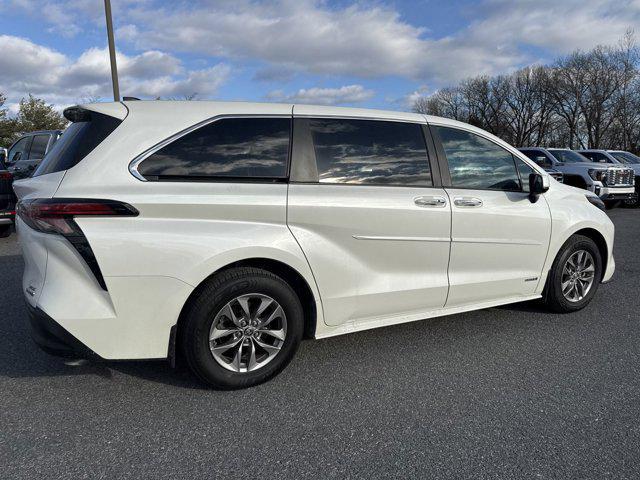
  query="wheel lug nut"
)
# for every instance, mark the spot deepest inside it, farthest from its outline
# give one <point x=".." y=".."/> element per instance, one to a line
<point x="243" y="323"/>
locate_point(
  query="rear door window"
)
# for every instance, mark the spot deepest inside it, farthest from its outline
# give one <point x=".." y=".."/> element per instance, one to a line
<point x="77" y="141"/>
<point x="242" y="148"/>
<point x="370" y="152"/>
<point x="19" y="151"/>
<point x="38" y="147"/>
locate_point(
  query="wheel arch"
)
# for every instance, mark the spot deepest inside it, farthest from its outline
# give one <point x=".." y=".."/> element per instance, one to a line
<point x="289" y="274"/>
<point x="600" y="242"/>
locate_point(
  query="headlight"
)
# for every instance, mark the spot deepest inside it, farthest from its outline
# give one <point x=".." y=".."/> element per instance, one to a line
<point x="597" y="174"/>
<point x="593" y="200"/>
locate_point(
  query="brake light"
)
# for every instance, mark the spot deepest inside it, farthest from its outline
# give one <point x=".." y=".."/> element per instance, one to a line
<point x="56" y="215"/>
<point x="6" y="175"/>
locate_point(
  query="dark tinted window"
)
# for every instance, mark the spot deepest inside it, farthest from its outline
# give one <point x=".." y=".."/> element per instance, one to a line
<point x="38" y="147"/>
<point x="475" y="162"/>
<point x="76" y="142"/>
<point x="538" y="157"/>
<point x="626" y="158"/>
<point x="596" y="157"/>
<point x="569" y="156"/>
<point x="370" y="152"/>
<point x="232" y="147"/>
<point x="18" y="151"/>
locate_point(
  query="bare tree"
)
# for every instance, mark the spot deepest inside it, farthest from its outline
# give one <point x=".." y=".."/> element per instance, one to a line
<point x="585" y="99"/>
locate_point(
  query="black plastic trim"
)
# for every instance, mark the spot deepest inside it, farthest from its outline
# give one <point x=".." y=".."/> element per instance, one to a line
<point x="443" y="164"/>
<point x="52" y="338"/>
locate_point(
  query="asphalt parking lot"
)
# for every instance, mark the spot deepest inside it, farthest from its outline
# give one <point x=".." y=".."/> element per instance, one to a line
<point x="511" y="392"/>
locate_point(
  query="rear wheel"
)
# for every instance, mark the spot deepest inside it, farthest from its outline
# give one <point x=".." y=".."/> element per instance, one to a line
<point x="5" y="231"/>
<point x="242" y="329"/>
<point x="574" y="276"/>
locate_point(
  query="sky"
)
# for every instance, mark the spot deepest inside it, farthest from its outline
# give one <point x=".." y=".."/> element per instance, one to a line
<point x="378" y="53"/>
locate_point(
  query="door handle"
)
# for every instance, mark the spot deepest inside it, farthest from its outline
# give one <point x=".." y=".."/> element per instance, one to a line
<point x="467" y="202"/>
<point x="430" y="201"/>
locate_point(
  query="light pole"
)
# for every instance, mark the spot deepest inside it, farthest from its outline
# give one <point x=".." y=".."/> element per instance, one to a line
<point x="112" y="51"/>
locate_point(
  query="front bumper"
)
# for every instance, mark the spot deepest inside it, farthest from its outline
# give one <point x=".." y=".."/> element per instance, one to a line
<point x="54" y="339"/>
<point x="615" y="193"/>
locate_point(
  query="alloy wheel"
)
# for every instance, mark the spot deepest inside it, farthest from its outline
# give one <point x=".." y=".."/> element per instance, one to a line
<point x="248" y="333"/>
<point x="578" y="275"/>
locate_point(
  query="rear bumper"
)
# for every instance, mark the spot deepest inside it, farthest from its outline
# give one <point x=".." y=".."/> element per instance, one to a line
<point x="53" y="339"/>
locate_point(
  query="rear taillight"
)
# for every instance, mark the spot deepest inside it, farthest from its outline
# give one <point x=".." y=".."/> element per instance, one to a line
<point x="6" y="175"/>
<point x="56" y="216"/>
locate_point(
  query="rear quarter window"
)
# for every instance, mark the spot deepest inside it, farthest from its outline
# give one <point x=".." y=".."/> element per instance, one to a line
<point x="237" y="148"/>
<point x="77" y="141"/>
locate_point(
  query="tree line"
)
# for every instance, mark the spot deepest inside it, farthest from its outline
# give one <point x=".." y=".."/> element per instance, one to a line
<point x="33" y="114"/>
<point x="587" y="99"/>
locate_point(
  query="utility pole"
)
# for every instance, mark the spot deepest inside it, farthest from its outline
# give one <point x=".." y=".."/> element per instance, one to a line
<point x="112" y="51"/>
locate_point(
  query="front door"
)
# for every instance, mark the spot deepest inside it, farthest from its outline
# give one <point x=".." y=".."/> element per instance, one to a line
<point x="364" y="206"/>
<point x="499" y="238"/>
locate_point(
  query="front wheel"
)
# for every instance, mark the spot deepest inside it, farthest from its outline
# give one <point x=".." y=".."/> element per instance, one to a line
<point x="5" y="231"/>
<point x="575" y="275"/>
<point x="242" y="329"/>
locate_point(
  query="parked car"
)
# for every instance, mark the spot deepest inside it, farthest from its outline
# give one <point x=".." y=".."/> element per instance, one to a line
<point x="7" y="204"/>
<point x="611" y="183"/>
<point x="229" y="231"/>
<point x="619" y="157"/>
<point x="27" y="152"/>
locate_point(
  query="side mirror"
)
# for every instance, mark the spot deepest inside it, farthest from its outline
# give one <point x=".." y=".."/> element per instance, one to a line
<point x="538" y="184"/>
<point x="16" y="158"/>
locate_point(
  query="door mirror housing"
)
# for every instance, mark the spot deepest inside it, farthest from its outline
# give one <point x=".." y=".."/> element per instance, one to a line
<point x="538" y="184"/>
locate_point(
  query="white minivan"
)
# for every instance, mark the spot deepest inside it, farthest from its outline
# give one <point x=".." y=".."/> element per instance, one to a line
<point x="224" y="233"/>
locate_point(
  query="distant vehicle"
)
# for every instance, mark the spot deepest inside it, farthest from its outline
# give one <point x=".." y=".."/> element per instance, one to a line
<point x="27" y="152"/>
<point x="611" y="182"/>
<point x="7" y="203"/>
<point x="20" y="161"/>
<point x="230" y="230"/>
<point x="627" y="159"/>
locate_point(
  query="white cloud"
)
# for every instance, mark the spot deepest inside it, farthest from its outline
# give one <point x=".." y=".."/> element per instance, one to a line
<point x="409" y="100"/>
<point x="26" y="67"/>
<point x="369" y="39"/>
<point x="282" y="38"/>
<point x="347" y="94"/>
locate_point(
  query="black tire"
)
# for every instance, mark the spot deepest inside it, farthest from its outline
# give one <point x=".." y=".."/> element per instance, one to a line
<point x="5" y="231"/>
<point x="552" y="295"/>
<point x="211" y="298"/>
<point x="611" y="204"/>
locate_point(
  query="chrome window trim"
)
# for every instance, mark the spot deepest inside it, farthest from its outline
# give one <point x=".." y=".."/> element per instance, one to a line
<point x="135" y="163"/>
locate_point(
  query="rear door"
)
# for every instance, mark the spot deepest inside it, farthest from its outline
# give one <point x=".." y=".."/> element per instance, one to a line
<point x="366" y="205"/>
<point x="499" y="237"/>
<point x="37" y="151"/>
<point x="18" y="153"/>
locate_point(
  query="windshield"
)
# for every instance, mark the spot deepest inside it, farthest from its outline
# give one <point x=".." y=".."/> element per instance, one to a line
<point x="626" y="158"/>
<point x="569" y="156"/>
